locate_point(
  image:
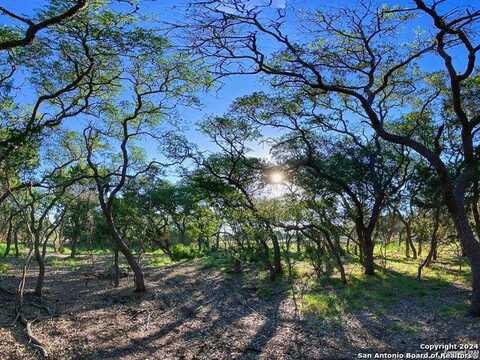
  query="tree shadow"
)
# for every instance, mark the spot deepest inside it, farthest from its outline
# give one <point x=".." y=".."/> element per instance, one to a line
<point x="391" y="311"/>
<point x="193" y="312"/>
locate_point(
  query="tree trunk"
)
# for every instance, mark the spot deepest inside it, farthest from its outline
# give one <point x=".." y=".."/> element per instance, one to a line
<point x="217" y="240"/>
<point x="433" y="245"/>
<point x="298" y="241"/>
<point x="368" y="262"/>
<point x="409" y="240"/>
<point x="41" y="268"/>
<point x="470" y="245"/>
<point x="9" y="237"/>
<point x="338" y="258"/>
<point x="407" y="247"/>
<point x="366" y="248"/>
<point x="475" y="210"/>
<point x="15" y="241"/>
<point x="116" y="269"/>
<point x="124" y="249"/>
<point x="268" y="264"/>
<point x="73" y="248"/>
<point x="472" y="250"/>
<point x="277" y="256"/>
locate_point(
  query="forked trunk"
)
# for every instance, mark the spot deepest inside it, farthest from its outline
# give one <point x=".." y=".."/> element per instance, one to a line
<point x="124" y="249"/>
<point x="409" y="241"/>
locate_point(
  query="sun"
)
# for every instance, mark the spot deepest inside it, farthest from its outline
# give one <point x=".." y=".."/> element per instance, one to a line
<point x="276" y="177"/>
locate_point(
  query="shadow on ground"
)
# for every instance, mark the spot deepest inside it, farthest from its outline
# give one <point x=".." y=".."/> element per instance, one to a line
<point x="194" y="313"/>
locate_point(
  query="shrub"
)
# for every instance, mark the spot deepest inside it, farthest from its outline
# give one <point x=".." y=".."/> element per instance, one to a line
<point x="181" y="251"/>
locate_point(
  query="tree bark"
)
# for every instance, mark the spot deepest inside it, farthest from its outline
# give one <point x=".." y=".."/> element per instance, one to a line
<point x="409" y="240"/>
<point x="277" y="256"/>
<point x="8" y="237"/>
<point x="368" y="259"/>
<point x="73" y="246"/>
<point x="472" y="250"/>
<point x="298" y="241"/>
<point x="116" y="269"/>
<point x="433" y="245"/>
<point x="336" y="253"/>
<point x="124" y="249"/>
<point x="366" y="248"/>
<point x="41" y="267"/>
<point x="15" y="241"/>
<point x="475" y="210"/>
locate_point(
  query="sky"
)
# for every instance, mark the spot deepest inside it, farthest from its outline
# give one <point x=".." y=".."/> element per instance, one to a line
<point x="213" y="102"/>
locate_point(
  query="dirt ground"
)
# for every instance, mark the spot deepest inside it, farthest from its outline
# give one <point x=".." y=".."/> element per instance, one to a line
<point x="190" y="312"/>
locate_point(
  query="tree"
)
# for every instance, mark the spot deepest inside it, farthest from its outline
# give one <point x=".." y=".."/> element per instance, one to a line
<point x="156" y="80"/>
<point x="354" y="58"/>
<point x="245" y="174"/>
<point x="362" y="170"/>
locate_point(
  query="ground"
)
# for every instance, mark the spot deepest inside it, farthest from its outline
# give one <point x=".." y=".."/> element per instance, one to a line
<point x="194" y="310"/>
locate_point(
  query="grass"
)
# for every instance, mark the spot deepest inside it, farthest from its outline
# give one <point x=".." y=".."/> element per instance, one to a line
<point x="158" y="259"/>
<point x="72" y="263"/>
<point x="397" y="281"/>
<point x="322" y="304"/>
<point x="405" y="327"/>
<point x="217" y="260"/>
<point x="4" y="268"/>
<point x="457" y="310"/>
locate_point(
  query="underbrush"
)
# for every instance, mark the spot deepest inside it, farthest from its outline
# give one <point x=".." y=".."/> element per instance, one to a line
<point x="181" y="252"/>
<point x="218" y="260"/>
<point x="158" y="258"/>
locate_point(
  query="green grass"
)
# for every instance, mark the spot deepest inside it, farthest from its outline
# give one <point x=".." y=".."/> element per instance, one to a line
<point x="395" y="281"/>
<point x="4" y="268"/>
<point x="322" y="304"/>
<point x="159" y="259"/>
<point x="87" y="251"/>
<point x="457" y="310"/>
<point x="72" y="263"/>
<point x="328" y="298"/>
<point x="217" y="260"/>
<point x="181" y="251"/>
<point x="3" y="246"/>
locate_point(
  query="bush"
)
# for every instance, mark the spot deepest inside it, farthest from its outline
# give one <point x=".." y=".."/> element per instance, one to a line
<point x="181" y="251"/>
<point x="218" y="260"/>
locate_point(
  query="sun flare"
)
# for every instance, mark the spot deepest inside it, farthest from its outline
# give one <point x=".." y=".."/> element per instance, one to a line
<point x="277" y="177"/>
